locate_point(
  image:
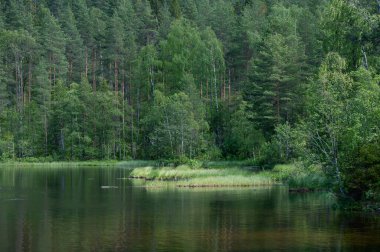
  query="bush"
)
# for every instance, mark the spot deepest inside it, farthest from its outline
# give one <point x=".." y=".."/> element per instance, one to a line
<point x="362" y="178"/>
<point x="300" y="176"/>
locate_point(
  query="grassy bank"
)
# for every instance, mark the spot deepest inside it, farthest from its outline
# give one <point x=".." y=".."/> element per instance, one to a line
<point x="298" y="177"/>
<point x="184" y="176"/>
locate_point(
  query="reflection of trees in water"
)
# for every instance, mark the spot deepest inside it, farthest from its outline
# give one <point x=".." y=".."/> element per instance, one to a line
<point x="222" y="222"/>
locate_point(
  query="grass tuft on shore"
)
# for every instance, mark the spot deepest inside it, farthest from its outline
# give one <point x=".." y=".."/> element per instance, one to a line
<point x="184" y="176"/>
<point x="298" y="176"/>
<point x="183" y="172"/>
<point x="227" y="181"/>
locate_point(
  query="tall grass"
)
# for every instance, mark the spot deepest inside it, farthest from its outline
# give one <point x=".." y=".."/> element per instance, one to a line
<point x="227" y="181"/>
<point x="299" y="176"/>
<point x="184" y="176"/>
<point x="183" y="172"/>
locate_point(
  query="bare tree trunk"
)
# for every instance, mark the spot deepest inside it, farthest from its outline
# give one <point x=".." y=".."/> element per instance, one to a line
<point x="278" y="101"/>
<point x="70" y="69"/>
<point x="215" y="87"/>
<point x="22" y="88"/>
<point x="62" y="140"/>
<point x="116" y="78"/>
<point x="17" y="70"/>
<point x="224" y="87"/>
<point x="46" y="132"/>
<point x="169" y="132"/>
<point x="138" y="114"/>
<point x="201" y="90"/>
<point x="54" y="71"/>
<point x="365" y="61"/>
<point x="133" y="146"/>
<point x="229" y="86"/>
<point x="123" y="116"/>
<point x="30" y="80"/>
<point x="50" y="71"/>
<point x="93" y="69"/>
<point x="182" y="139"/>
<point x="207" y="89"/>
<point x="86" y="63"/>
<point x="130" y="87"/>
<point x="151" y="81"/>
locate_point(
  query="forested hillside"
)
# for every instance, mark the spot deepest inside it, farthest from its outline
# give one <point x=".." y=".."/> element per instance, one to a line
<point x="269" y="80"/>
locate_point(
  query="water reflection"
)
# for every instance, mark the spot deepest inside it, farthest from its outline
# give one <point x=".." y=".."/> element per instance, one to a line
<point x="92" y="209"/>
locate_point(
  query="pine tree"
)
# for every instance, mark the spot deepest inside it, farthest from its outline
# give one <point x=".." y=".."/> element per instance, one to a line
<point x="146" y="23"/>
<point x="276" y="75"/>
<point x="74" y="45"/>
<point x="52" y="43"/>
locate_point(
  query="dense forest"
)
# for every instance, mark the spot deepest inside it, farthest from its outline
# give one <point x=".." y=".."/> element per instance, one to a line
<point x="268" y="80"/>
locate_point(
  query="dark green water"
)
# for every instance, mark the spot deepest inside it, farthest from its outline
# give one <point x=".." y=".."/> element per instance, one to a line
<point x="67" y="210"/>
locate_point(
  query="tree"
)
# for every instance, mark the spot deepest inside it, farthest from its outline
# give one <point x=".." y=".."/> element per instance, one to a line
<point x="276" y="75"/>
<point x="243" y="139"/>
<point x="52" y="43"/>
<point x="175" y="9"/>
<point x="346" y="28"/>
<point x="17" y="48"/>
<point x="343" y="116"/>
<point x="115" y="46"/>
<point x="179" y="54"/>
<point x="146" y="23"/>
<point x="74" y="44"/>
<point x="171" y="129"/>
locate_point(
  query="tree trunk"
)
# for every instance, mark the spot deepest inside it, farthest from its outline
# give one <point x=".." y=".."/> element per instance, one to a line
<point x="116" y="78"/>
<point x="278" y="102"/>
<point x="93" y="69"/>
<point x="86" y="63"/>
<point x="54" y="71"/>
<point x="62" y="140"/>
<point x="169" y="132"/>
<point x="207" y="89"/>
<point x="50" y="71"/>
<point x="201" y="90"/>
<point x="224" y="87"/>
<point x="182" y="139"/>
<point x="151" y="81"/>
<point x="30" y="80"/>
<point x="46" y="132"/>
<point x="215" y="87"/>
<point x="229" y="86"/>
<point x="365" y="61"/>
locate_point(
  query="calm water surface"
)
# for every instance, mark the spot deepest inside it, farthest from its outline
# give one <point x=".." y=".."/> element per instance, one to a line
<point x="45" y="209"/>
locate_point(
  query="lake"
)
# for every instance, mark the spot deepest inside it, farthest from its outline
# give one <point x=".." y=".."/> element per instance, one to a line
<point x="94" y="209"/>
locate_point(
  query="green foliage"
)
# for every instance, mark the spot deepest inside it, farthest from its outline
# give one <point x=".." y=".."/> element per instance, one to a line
<point x="243" y="139"/>
<point x="187" y="177"/>
<point x="297" y="176"/>
<point x="172" y="129"/>
<point x="276" y="70"/>
<point x="346" y="29"/>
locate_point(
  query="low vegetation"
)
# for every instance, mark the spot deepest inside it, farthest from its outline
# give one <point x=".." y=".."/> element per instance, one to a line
<point x="299" y="176"/>
<point x="295" y="175"/>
